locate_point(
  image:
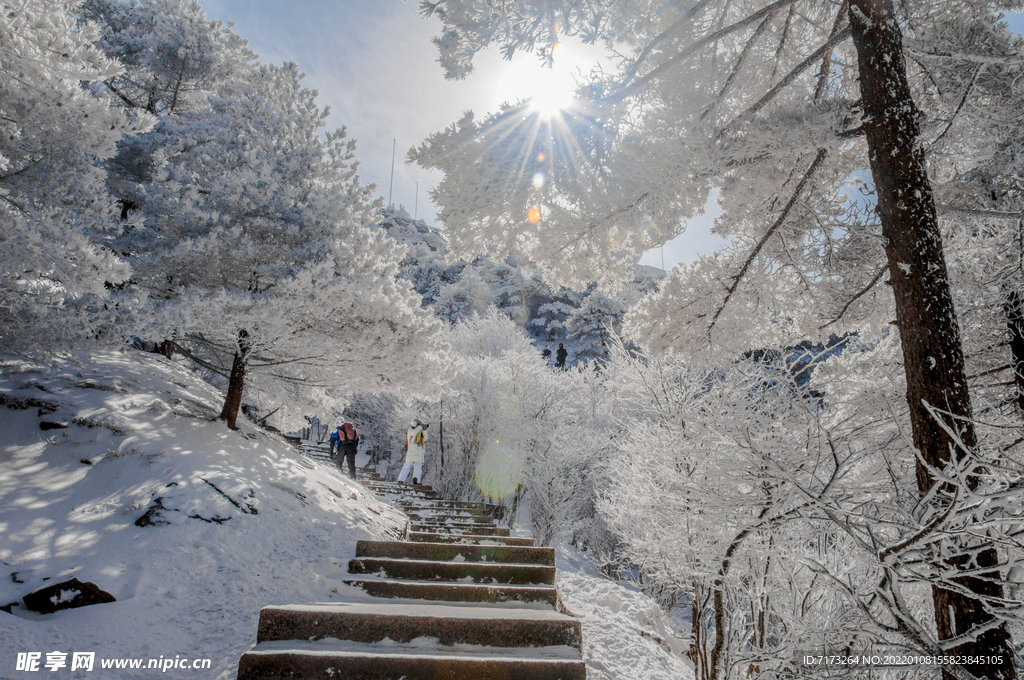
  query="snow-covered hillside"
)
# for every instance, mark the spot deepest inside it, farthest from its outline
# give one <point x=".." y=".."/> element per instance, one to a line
<point x="233" y="521"/>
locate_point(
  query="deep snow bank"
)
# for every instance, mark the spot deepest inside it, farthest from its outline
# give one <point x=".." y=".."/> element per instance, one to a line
<point x="242" y="521"/>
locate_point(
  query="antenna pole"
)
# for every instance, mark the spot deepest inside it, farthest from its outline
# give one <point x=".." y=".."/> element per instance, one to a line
<point x="416" y="209"/>
<point x="394" y="145"/>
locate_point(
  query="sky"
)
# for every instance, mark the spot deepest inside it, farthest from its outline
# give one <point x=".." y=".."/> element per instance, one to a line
<point x="374" y="64"/>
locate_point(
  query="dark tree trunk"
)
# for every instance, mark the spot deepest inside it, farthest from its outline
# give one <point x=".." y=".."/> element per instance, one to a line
<point x="166" y="348"/>
<point x="1015" y="323"/>
<point x="932" y="354"/>
<point x="236" y="382"/>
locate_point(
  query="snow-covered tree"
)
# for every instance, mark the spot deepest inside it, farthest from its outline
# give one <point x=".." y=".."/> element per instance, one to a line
<point x="57" y="216"/>
<point x="514" y="431"/>
<point x="249" y="238"/>
<point x="777" y="104"/>
<point x="175" y="60"/>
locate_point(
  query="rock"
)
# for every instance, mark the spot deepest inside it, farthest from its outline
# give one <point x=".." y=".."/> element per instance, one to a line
<point x="152" y="517"/>
<point x="67" y="595"/>
<point x="50" y="425"/>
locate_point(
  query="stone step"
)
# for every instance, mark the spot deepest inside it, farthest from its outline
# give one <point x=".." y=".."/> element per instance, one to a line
<point x="424" y="517"/>
<point x="404" y="622"/>
<point x="449" y="552"/>
<point x="461" y="506"/>
<point x="396" y="486"/>
<point x="438" y="506"/>
<point x="434" y="537"/>
<point x="476" y="572"/>
<point x="457" y="592"/>
<point x="312" y="661"/>
<point x="396" y="495"/>
<point x="461" y="529"/>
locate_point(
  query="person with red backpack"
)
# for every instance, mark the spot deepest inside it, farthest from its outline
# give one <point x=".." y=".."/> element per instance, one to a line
<point x="348" y="446"/>
<point x="415" y="452"/>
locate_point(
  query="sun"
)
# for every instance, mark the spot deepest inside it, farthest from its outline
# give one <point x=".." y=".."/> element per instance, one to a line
<point x="550" y="90"/>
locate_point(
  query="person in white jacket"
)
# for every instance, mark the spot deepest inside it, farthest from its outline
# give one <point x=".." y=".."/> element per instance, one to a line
<point x="415" y="452"/>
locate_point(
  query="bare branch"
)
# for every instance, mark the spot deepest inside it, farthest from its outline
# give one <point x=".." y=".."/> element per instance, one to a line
<point x="757" y="249"/>
<point x="819" y="53"/>
<point x="963" y="100"/>
<point x="638" y="85"/>
<point x="856" y="297"/>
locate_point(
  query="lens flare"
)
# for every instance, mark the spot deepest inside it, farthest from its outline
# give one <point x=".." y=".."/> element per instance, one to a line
<point x="533" y="215"/>
<point x="538" y="180"/>
<point x="499" y="473"/>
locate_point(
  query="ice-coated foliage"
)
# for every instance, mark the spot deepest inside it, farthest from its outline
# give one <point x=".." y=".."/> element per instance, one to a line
<point x="742" y="96"/>
<point x="785" y="108"/>
<point x="457" y="290"/>
<point x="57" y="217"/>
<point x="515" y="431"/>
<point x="247" y="233"/>
<point x="175" y="59"/>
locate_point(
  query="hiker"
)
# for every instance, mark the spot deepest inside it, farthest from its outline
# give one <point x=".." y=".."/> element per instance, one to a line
<point x="336" y="438"/>
<point x="415" y="452"/>
<point x="348" y="445"/>
<point x="561" y="354"/>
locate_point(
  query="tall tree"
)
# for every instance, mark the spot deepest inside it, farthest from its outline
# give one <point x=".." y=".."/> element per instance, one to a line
<point x="689" y="107"/>
<point x="54" y="130"/>
<point x="248" y="236"/>
<point x="175" y="59"/>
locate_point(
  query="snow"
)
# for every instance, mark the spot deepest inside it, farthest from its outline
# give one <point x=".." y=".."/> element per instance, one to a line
<point x="448" y="610"/>
<point x="243" y="522"/>
<point x="625" y="634"/>
<point x="421" y="646"/>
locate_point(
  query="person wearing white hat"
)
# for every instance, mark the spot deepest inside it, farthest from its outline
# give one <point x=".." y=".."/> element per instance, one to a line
<point x="415" y="452"/>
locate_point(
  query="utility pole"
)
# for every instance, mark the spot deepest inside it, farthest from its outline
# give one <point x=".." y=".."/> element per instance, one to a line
<point x="416" y="208"/>
<point x="394" y="145"/>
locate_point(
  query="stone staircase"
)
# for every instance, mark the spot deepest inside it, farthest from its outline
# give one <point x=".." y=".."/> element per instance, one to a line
<point x="459" y="599"/>
<point x="318" y="452"/>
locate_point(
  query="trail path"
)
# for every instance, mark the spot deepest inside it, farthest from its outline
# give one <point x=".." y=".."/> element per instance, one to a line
<point x="459" y="599"/>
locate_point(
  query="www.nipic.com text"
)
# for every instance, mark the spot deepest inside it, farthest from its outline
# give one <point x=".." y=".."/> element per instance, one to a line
<point x="86" y="661"/>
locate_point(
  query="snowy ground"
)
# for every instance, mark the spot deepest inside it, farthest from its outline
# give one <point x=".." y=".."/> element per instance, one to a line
<point x="243" y="521"/>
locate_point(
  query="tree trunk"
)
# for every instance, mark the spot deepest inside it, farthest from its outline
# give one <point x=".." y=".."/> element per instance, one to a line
<point x="1015" y="322"/>
<point x="930" y="336"/>
<point x="165" y="347"/>
<point x="236" y="382"/>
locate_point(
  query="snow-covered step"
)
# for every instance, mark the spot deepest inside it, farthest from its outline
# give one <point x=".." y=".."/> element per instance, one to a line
<point x="317" y="454"/>
<point x="448" y="552"/>
<point x="396" y="486"/>
<point x="460" y="599"/>
<point x="457" y="592"/>
<point x="332" y="660"/>
<point x="424" y="516"/>
<point x="404" y="622"/>
<point x="394" y="493"/>
<point x="470" y="572"/>
<point x="459" y="528"/>
<point x="472" y="507"/>
<point x="436" y="537"/>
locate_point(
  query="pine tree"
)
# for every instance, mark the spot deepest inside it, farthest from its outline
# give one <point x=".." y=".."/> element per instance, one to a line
<point x="248" y="234"/>
<point x="54" y="130"/>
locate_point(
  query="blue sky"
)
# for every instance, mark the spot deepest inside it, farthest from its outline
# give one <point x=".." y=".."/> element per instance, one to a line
<point x="375" y="66"/>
